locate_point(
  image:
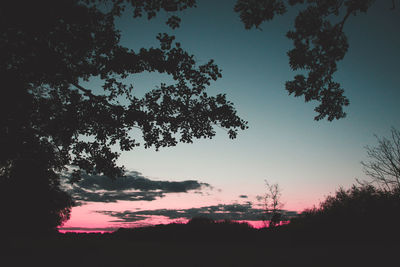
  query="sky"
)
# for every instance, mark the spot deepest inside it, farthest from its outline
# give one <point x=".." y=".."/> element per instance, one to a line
<point x="283" y="144"/>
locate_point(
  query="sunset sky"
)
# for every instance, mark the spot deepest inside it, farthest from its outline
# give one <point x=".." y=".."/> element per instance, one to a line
<point x="308" y="159"/>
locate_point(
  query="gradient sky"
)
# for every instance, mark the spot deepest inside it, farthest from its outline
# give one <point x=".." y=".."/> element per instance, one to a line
<point x="308" y="159"/>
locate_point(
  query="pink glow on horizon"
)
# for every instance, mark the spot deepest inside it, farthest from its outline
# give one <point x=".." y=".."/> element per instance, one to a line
<point x="261" y="224"/>
<point x="88" y="217"/>
<point x="88" y="231"/>
<point x="156" y="220"/>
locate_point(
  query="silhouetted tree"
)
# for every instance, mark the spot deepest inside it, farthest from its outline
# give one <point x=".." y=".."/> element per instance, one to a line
<point x="50" y="121"/>
<point x="31" y="199"/>
<point x="361" y="212"/>
<point x="272" y="204"/>
<point x="383" y="165"/>
<point x="200" y="221"/>
<point x="319" y="43"/>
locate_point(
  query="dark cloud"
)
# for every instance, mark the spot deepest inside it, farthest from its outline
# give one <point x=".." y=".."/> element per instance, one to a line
<point x="133" y="187"/>
<point x="216" y="212"/>
<point x="80" y="195"/>
<point x="136" y="181"/>
<point x="243" y="196"/>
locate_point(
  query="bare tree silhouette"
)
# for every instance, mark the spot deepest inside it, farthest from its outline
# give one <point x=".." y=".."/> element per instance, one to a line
<point x="383" y="166"/>
<point x="272" y="204"/>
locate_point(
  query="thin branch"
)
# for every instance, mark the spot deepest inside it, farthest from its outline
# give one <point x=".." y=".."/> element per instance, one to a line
<point x="91" y="95"/>
<point x="86" y="91"/>
<point x="344" y="19"/>
<point x="384" y="164"/>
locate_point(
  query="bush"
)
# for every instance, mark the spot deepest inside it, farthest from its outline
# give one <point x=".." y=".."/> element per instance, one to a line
<point x="361" y="212"/>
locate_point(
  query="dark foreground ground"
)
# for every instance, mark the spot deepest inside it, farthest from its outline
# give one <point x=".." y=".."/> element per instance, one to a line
<point x="106" y="250"/>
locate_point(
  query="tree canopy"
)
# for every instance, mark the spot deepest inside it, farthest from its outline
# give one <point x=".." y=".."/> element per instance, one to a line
<point x="319" y="43"/>
<point x="49" y="121"/>
<point x="50" y="47"/>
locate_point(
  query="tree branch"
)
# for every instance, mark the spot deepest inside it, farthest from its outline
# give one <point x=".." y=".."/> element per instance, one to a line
<point x="89" y="93"/>
<point x="86" y="91"/>
<point x="344" y="19"/>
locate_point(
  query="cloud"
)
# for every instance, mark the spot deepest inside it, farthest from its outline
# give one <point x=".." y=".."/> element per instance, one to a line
<point x="80" y="195"/>
<point x="136" y="181"/>
<point x="217" y="212"/>
<point x="133" y="187"/>
<point x="243" y="196"/>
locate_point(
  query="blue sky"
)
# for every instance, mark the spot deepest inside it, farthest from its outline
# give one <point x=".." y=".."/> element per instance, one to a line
<point x="283" y="144"/>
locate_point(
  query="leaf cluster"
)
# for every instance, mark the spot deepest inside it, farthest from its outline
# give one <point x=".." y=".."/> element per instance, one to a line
<point x="319" y="44"/>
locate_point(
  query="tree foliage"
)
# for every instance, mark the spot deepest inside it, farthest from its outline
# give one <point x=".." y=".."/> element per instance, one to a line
<point x="31" y="197"/>
<point x="361" y="212"/>
<point x="50" y="120"/>
<point x="319" y="43"/>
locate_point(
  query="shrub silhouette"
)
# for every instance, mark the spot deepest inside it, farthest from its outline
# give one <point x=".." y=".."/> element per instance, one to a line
<point x="361" y="212"/>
